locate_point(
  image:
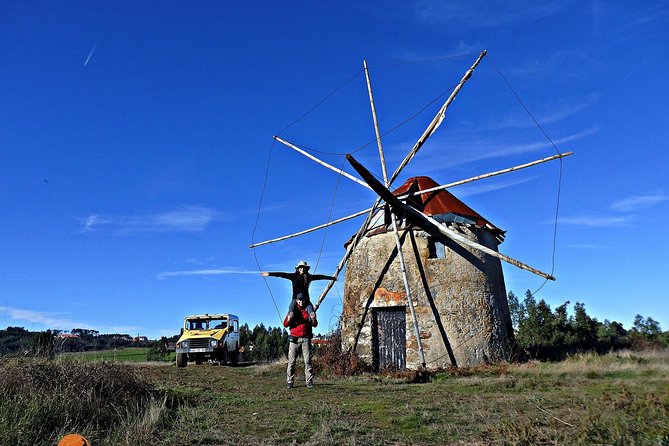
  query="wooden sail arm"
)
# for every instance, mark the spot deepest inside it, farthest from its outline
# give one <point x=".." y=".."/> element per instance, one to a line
<point x="420" y="192"/>
<point x="321" y="162"/>
<point x="376" y="186"/>
<point x="315" y="228"/>
<point x="438" y="119"/>
<point x="398" y="242"/>
<point x="397" y="204"/>
<point x="431" y="128"/>
<point x="382" y="157"/>
<point x="487" y="175"/>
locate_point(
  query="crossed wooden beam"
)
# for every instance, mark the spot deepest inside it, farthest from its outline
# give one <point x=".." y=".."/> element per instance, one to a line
<point x="397" y="204"/>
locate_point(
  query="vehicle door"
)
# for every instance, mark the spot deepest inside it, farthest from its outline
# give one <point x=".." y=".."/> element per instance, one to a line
<point x="233" y="334"/>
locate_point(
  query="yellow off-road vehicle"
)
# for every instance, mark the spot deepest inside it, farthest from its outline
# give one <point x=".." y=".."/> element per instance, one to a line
<point x="209" y="337"/>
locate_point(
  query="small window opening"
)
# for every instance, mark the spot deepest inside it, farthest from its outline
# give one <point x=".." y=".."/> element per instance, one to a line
<point x="436" y="249"/>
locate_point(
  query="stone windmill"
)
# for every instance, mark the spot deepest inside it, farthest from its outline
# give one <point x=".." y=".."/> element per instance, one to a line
<point x="424" y="283"/>
<point x="460" y="303"/>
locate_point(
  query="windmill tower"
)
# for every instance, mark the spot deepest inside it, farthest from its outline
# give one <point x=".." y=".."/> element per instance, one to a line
<point x="424" y="284"/>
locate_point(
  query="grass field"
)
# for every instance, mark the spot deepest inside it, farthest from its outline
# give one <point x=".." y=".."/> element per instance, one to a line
<point x="587" y="400"/>
<point x="135" y="354"/>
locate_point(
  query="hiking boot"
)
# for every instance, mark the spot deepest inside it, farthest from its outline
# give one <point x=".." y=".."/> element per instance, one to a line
<point x="290" y="385"/>
<point x="310" y="385"/>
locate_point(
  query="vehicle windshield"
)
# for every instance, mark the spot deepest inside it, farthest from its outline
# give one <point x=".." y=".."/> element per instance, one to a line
<point x="218" y="323"/>
<point x="195" y="324"/>
<point x="206" y="324"/>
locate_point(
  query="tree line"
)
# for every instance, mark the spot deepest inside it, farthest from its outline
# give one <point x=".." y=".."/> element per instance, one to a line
<point x="542" y="333"/>
<point x="539" y="331"/>
<point x="19" y="341"/>
<point x="263" y="344"/>
<point x="258" y="344"/>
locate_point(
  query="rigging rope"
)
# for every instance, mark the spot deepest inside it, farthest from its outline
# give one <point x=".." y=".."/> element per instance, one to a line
<point x="320" y="102"/>
<point x="332" y="202"/>
<point x="255" y="226"/>
<point x="411" y="62"/>
<point x="392" y="129"/>
<point x="264" y="186"/>
<point x="559" y="185"/>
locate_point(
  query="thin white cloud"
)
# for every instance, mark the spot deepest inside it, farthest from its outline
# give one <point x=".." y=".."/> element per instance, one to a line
<point x="90" y="53"/>
<point x="484" y="14"/>
<point x="565" y="112"/>
<point x="183" y="219"/>
<point x="204" y="272"/>
<point x="168" y="332"/>
<point x="630" y="20"/>
<point x="638" y="202"/>
<point x="42" y="318"/>
<point x="458" y="152"/>
<point x="653" y="14"/>
<point x="276" y="207"/>
<point x="194" y="261"/>
<point x="632" y="17"/>
<point x="571" y="62"/>
<point x="547" y="117"/>
<point x="585" y="246"/>
<point x="597" y="221"/>
<point x="459" y="49"/>
<point x="480" y="188"/>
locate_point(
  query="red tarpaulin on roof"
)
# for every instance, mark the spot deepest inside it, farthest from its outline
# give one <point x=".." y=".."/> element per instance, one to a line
<point x="440" y="202"/>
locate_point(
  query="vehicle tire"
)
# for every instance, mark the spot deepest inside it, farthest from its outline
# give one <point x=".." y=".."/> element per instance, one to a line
<point x="224" y="358"/>
<point x="234" y="358"/>
<point x="182" y="359"/>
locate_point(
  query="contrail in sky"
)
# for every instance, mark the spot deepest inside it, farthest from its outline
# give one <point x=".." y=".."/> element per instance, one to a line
<point x="90" y="54"/>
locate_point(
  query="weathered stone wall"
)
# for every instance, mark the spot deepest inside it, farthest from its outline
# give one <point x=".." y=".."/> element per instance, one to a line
<point x="463" y="318"/>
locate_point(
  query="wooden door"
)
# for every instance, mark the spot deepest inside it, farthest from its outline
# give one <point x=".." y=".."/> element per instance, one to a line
<point x="390" y="337"/>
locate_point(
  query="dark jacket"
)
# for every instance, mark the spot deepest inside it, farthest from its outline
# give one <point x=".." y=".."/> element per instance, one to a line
<point x="301" y="283"/>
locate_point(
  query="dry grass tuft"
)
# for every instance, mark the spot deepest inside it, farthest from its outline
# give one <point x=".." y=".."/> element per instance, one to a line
<point x="269" y="368"/>
<point x="41" y="400"/>
<point x="99" y="382"/>
<point x="615" y="363"/>
<point x="330" y="360"/>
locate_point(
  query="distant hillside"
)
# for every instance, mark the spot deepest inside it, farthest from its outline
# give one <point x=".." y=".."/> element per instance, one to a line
<point x="16" y="341"/>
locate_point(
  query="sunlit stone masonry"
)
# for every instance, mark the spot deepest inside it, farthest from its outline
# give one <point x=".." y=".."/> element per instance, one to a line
<point x="458" y="292"/>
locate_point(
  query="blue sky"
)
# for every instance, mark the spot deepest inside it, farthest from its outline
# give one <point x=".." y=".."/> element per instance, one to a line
<point x="136" y="143"/>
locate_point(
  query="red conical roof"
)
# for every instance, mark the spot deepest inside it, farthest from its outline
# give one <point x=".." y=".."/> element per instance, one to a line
<point x="441" y="202"/>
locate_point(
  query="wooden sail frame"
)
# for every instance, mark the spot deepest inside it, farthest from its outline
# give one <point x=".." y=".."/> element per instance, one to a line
<point x="431" y="128"/>
<point x="398" y="242"/>
<point x="396" y="203"/>
<point x="413" y="194"/>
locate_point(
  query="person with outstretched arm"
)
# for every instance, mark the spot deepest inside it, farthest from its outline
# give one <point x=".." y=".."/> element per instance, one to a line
<point x="301" y="280"/>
